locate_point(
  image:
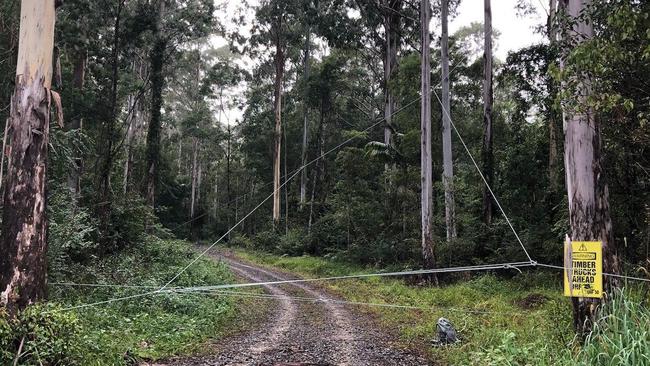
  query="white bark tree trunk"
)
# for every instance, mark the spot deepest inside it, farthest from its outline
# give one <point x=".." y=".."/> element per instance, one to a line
<point x="425" y="139"/>
<point x="587" y="191"/>
<point x="277" y="148"/>
<point x="305" y="127"/>
<point x="447" y="159"/>
<point x="24" y="223"/>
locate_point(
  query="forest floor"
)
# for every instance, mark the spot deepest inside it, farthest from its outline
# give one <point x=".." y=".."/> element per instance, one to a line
<point x="284" y="331"/>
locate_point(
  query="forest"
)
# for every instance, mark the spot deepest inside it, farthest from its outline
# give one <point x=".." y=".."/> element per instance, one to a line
<point x="172" y="170"/>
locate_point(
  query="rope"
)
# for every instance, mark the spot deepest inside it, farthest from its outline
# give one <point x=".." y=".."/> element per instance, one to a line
<point x="512" y="265"/>
<point x="111" y="300"/>
<point x="177" y="290"/>
<point x="345" y="302"/>
<point x="604" y="274"/>
<point x="99" y="285"/>
<point x="496" y="200"/>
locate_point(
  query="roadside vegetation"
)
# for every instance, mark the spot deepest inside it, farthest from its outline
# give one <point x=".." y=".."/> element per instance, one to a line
<point x="506" y="319"/>
<point x="124" y="332"/>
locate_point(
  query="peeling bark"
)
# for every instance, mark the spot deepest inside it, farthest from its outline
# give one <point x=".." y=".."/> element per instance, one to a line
<point x="24" y="223"/>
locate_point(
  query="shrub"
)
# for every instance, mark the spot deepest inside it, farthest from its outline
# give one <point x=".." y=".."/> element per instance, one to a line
<point x="71" y="230"/>
<point x="241" y="241"/>
<point x="129" y="222"/>
<point x="327" y="235"/>
<point x="267" y="240"/>
<point x="294" y="243"/>
<point x="48" y="336"/>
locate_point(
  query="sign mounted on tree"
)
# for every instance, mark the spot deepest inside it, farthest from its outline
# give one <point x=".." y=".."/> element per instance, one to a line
<point x="583" y="269"/>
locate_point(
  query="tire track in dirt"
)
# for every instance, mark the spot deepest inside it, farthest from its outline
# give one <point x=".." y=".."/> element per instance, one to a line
<point x="301" y="333"/>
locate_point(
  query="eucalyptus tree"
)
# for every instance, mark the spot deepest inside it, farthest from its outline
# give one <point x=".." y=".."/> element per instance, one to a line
<point x="389" y="23"/>
<point x="274" y="27"/>
<point x="487" y="153"/>
<point x="587" y="190"/>
<point x="24" y="223"/>
<point x="426" y="174"/>
<point x="175" y="24"/>
<point x="448" y="167"/>
<point x="554" y="151"/>
<point x="221" y="79"/>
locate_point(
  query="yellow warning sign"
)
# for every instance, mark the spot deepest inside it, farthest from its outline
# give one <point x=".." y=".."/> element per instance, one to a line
<point x="583" y="269"/>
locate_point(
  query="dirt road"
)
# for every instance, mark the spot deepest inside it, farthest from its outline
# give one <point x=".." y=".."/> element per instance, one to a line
<point x="297" y="333"/>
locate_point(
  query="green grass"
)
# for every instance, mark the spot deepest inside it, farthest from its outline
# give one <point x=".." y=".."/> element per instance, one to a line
<point x="495" y="325"/>
<point x="125" y="332"/>
<point x="506" y="333"/>
<point x="621" y="336"/>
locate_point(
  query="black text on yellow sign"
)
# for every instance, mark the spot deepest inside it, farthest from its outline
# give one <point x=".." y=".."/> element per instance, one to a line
<point x="583" y="269"/>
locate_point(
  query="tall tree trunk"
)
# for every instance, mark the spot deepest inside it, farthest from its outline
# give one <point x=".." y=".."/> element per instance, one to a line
<point x="24" y="223"/>
<point x="588" y="195"/>
<point x="305" y="123"/>
<point x="180" y="152"/>
<point x="128" y="145"/>
<point x="426" y="161"/>
<point x="553" y="114"/>
<point x="317" y="169"/>
<point x="199" y="179"/>
<point x="215" y="200"/>
<point x="106" y="152"/>
<point x="279" y="71"/>
<point x="286" y="186"/>
<point x="228" y="160"/>
<point x="153" y="133"/>
<point x="195" y="151"/>
<point x="78" y="80"/>
<point x="157" y="84"/>
<point x="447" y="159"/>
<point x="128" y="140"/>
<point x="391" y="10"/>
<point x="487" y="151"/>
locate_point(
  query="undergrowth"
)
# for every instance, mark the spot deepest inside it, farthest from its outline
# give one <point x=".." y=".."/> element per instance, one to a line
<point x="124" y="332"/>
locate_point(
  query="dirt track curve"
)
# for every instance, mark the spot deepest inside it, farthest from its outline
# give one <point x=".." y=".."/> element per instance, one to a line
<point x="301" y="333"/>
